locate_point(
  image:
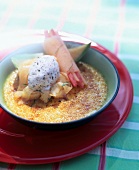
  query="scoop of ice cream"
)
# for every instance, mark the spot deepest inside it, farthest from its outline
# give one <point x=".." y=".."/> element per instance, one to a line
<point x="43" y="73"/>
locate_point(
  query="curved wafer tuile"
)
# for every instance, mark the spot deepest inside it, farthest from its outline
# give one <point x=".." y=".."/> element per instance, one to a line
<point x="53" y="45"/>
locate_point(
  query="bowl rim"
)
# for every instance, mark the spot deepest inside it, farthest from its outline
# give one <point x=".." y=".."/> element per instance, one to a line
<point x="89" y="116"/>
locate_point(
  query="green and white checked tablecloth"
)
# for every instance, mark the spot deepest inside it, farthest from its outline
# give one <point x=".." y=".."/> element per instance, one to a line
<point x="113" y="24"/>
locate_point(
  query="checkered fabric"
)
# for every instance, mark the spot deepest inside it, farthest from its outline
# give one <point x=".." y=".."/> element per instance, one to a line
<point x="113" y="24"/>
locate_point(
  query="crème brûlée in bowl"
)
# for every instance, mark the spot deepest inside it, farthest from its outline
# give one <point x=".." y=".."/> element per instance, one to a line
<point x="57" y="84"/>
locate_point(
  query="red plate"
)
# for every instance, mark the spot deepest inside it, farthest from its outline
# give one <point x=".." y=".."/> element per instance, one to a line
<point x="22" y="145"/>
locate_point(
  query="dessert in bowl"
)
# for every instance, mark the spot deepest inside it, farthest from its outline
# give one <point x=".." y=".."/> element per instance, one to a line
<point x="57" y="84"/>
